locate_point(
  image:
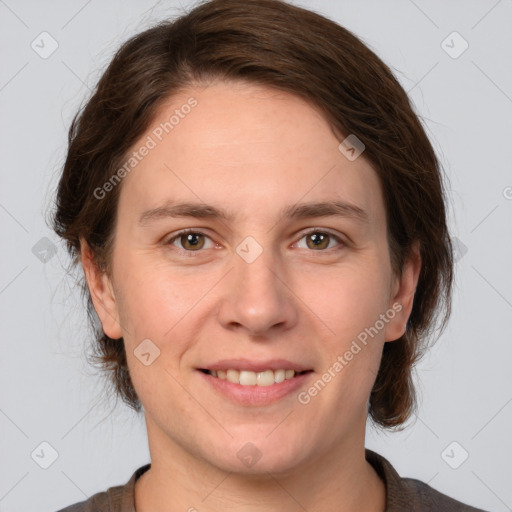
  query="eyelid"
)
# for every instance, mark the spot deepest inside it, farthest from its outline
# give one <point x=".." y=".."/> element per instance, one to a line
<point x="170" y="241"/>
<point x="326" y="231"/>
<point x="302" y="233"/>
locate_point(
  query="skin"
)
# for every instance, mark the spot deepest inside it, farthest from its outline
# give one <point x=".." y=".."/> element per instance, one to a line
<point x="252" y="150"/>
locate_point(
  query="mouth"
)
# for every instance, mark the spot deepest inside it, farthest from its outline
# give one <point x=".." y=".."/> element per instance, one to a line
<point x="249" y="378"/>
<point x="255" y="388"/>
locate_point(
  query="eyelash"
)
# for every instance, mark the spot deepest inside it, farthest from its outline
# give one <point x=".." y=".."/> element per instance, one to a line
<point x="192" y="254"/>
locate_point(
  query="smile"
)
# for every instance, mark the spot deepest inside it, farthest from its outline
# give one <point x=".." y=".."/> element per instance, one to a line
<point x="249" y="378"/>
<point x="255" y="389"/>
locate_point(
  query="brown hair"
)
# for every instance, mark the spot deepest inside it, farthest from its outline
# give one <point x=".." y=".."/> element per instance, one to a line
<point x="272" y="43"/>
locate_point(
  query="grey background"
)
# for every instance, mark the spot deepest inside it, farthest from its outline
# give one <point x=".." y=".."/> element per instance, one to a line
<point x="48" y="393"/>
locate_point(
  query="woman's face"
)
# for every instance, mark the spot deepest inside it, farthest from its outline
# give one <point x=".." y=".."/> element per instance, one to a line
<point x="263" y="287"/>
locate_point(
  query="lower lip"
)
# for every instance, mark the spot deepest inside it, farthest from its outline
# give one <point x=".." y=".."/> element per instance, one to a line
<point x="255" y="395"/>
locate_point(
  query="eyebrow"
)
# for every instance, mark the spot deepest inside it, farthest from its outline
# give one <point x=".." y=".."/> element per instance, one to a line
<point x="172" y="209"/>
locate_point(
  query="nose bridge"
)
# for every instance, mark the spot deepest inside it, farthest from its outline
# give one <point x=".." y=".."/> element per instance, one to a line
<point x="257" y="297"/>
<point x="257" y="267"/>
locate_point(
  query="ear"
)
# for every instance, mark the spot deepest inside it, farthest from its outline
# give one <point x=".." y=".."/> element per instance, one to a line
<point x="402" y="294"/>
<point x="102" y="293"/>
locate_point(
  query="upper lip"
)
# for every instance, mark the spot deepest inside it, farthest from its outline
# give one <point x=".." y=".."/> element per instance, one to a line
<point x="255" y="366"/>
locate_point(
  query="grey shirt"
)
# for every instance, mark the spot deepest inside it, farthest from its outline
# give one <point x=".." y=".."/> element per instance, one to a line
<point x="402" y="494"/>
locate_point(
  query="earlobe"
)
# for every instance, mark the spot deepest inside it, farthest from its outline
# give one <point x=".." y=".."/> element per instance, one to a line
<point x="102" y="292"/>
<point x="403" y="294"/>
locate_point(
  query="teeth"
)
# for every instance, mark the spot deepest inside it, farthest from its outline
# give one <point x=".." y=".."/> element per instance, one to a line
<point x="247" y="378"/>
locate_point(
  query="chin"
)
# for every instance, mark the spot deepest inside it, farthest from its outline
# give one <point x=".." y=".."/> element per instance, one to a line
<point x="258" y="452"/>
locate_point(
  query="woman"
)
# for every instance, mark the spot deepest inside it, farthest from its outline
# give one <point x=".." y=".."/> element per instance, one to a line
<point x="261" y="221"/>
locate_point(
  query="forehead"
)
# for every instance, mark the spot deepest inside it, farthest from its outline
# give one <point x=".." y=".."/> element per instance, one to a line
<point x="247" y="149"/>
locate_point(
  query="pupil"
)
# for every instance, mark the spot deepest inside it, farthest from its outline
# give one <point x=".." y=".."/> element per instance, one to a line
<point x="317" y="238"/>
<point x="192" y="238"/>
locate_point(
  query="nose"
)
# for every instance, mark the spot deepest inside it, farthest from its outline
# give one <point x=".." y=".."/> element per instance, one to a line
<point x="258" y="298"/>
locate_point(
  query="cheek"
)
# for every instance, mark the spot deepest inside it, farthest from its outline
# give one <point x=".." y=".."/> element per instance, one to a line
<point x="346" y="300"/>
<point x="347" y="309"/>
<point x="154" y="298"/>
<point x="161" y="305"/>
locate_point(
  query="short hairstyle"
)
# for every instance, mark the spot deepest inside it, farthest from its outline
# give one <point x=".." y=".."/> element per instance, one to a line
<point x="279" y="45"/>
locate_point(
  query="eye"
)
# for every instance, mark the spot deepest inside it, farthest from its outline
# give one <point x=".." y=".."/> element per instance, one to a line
<point x="317" y="239"/>
<point x="190" y="241"/>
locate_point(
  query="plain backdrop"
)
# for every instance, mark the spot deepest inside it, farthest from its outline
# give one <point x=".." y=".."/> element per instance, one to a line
<point x="459" y="442"/>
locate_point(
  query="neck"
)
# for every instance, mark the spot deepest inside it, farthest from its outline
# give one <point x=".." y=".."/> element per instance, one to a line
<point x="339" y="480"/>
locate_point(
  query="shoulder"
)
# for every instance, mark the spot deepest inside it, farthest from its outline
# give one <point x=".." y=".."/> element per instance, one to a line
<point x="97" y="503"/>
<point x="411" y="495"/>
<point x="429" y="499"/>
<point x="115" y="499"/>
